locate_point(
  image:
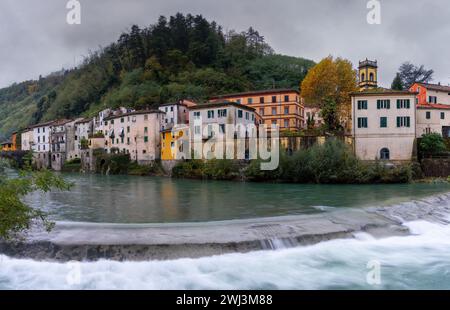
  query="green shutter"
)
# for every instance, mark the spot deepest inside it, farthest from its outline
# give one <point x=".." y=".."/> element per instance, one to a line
<point x="378" y="104"/>
<point x="398" y="121"/>
<point x="408" y="122"/>
<point x="398" y="103"/>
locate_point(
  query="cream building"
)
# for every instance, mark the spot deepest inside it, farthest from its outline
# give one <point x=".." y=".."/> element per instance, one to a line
<point x="384" y="124"/>
<point x="135" y="133"/>
<point x="27" y="139"/>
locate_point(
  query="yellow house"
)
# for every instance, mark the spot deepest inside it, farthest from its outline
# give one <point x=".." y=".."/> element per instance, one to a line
<point x="169" y="138"/>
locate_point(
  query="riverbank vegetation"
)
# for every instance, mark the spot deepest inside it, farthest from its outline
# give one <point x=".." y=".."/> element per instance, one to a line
<point x="15" y="216"/>
<point x="330" y="163"/>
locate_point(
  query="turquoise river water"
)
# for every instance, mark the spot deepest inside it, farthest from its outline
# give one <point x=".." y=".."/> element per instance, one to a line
<point x="419" y="261"/>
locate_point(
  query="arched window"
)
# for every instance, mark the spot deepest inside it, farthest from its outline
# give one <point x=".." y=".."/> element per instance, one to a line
<point x="363" y="77"/>
<point x="371" y="76"/>
<point x="385" y="154"/>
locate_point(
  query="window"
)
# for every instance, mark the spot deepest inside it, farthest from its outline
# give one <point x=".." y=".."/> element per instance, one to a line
<point x="371" y="77"/>
<point x="442" y="115"/>
<point x="250" y="100"/>
<point x="261" y="111"/>
<point x="222" y="128"/>
<point x="166" y="109"/>
<point x="403" y="121"/>
<point x="363" y="77"/>
<point x="211" y="114"/>
<point x="128" y="140"/>
<point x="286" y="98"/>
<point x="39" y="139"/>
<point x="286" y="123"/>
<point x="240" y="113"/>
<point x="146" y="139"/>
<point x="145" y="117"/>
<point x="238" y="101"/>
<point x="362" y="104"/>
<point x="121" y="139"/>
<point x="128" y="129"/>
<point x="144" y="151"/>
<point x="383" y="104"/>
<point x="261" y="100"/>
<point x="274" y="99"/>
<point x="403" y="104"/>
<point x="122" y="120"/>
<point x="197" y="115"/>
<point x="385" y="154"/>
<point x="286" y="110"/>
<point x="145" y="129"/>
<point x="112" y="122"/>
<point x="432" y="99"/>
<point x="171" y="109"/>
<point x="383" y="122"/>
<point x="428" y="115"/>
<point x="274" y="122"/>
<point x="274" y="111"/>
<point x="362" y="122"/>
<point x="222" y="113"/>
<point x="247" y="115"/>
<point x="197" y="130"/>
<point x="253" y="117"/>
<point x="39" y="130"/>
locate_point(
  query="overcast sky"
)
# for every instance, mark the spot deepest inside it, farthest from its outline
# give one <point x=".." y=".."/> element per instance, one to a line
<point x="35" y="38"/>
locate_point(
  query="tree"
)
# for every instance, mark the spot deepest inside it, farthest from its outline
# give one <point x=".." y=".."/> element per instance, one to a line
<point x="432" y="144"/>
<point x="410" y="74"/>
<point x="15" y="215"/>
<point x="397" y="83"/>
<point x="331" y="82"/>
<point x="330" y="115"/>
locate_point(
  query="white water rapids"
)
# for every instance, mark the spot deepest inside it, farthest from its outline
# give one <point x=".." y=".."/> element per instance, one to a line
<point x="419" y="261"/>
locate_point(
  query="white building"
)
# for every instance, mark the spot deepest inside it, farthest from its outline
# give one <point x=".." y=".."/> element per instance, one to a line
<point x="220" y="113"/>
<point x="175" y="113"/>
<point x="83" y="129"/>
<point x="433" y="109"/>
<point x="135" y="133"/>
<point x="384" y="124"/>
<point x="41" y="144"/>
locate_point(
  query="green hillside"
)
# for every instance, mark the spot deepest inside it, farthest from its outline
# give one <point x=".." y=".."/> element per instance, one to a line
<point x="178" y="57"/>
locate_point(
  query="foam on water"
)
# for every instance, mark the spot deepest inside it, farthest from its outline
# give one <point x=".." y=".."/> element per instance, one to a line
<point x="419" y="261"/>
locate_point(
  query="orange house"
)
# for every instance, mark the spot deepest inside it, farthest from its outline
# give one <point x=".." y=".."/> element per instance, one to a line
<point x="6" y="146"/>
<point x="282" y="107"/>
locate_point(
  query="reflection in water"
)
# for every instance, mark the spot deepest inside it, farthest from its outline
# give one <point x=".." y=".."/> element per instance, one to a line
<point x="126" y="199"/>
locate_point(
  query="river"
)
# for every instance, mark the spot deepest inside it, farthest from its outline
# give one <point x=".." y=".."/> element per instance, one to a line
<point x="418" y="261"/>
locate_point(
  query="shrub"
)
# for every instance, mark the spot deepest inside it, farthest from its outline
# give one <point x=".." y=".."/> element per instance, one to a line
<point x="143" y="170"/>
<point x="432" y="144"/>
<point x="113" y="163"/>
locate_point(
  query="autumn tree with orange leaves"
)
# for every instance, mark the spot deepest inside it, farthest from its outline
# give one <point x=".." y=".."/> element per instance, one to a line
<point x="328" y="86"/>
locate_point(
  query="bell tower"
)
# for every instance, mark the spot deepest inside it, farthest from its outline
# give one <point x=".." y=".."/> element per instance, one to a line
<point x="368" y="74"/>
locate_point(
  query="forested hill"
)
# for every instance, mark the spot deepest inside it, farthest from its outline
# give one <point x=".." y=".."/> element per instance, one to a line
<point x="178" y="57"/>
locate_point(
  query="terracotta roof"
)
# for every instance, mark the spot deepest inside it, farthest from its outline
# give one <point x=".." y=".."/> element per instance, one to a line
<point x="133" y="113"/>
<point x="257" y="92"/>
<point x="433" y="106"/>
<point x="435" y="87"/>
<point x="382" y="91"/>
<point x="84" y="120"/>
<point x="221" y="104"/>
<point x="61" y="122"/>
<point x="42" y="124"/>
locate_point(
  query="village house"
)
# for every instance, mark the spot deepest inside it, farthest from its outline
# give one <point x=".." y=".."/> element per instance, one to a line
<point x="175" y="113"/>
<point x="433" y="108"/>
<point x="6" y="146"/>
<point x="82" y="130"/>
<point x="206" y="119"/>
<point x="27" y="139"/>
<point x="281" y="107"/>
<point x="384" y="124"/>
<point x="61" y="142"/>
<point x="41" y="145"/>
<point x="136" y="133"/>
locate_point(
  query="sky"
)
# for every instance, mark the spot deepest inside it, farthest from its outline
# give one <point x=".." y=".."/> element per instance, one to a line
<point x="35" y="38"/>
